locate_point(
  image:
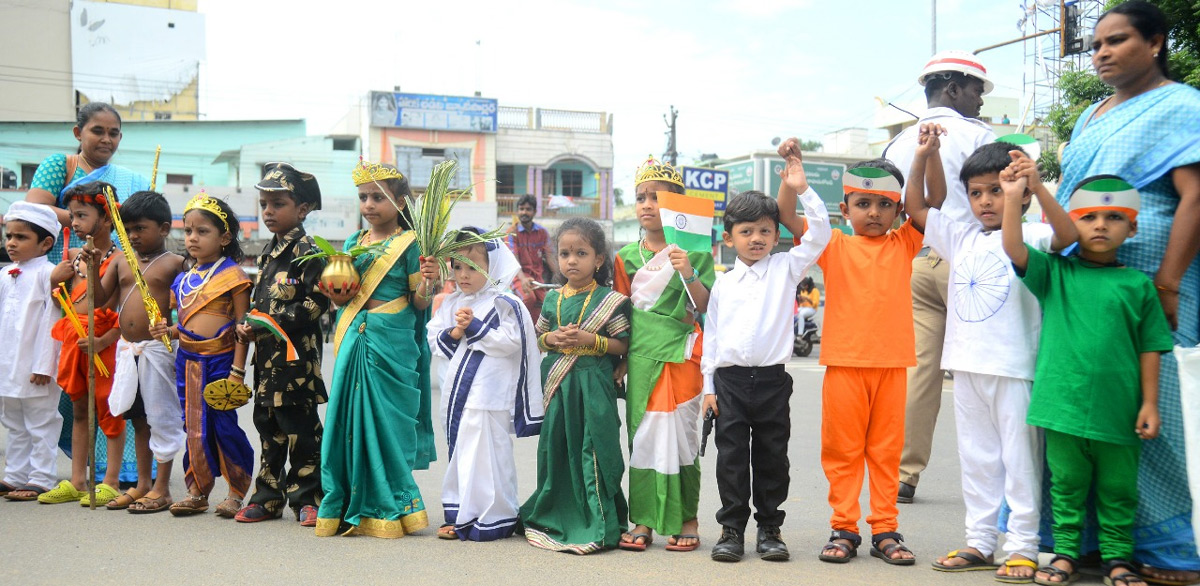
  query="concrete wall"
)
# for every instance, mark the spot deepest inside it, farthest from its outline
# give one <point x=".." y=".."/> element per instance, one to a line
<point x="382" y="143"/>
<point x="188" y="148"/>
<point x="541" y="147"/>
<point x="35" y="62"/>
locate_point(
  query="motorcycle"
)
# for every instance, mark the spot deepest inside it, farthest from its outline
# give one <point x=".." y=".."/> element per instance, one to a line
<point x="806" y="336"/>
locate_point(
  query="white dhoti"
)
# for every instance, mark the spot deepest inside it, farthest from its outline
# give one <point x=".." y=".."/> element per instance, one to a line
<point x="148" y="368"/>
<point x="33" y="425"/>
<point x="1001" y="459"/>
<point x="479" y="493"/>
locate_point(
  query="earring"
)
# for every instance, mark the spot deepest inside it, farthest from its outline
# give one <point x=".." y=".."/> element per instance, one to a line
<point x="1156" y="54"/>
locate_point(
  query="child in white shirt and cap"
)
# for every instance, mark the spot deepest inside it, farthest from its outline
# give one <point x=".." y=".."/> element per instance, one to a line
<point x="28" y="391"/>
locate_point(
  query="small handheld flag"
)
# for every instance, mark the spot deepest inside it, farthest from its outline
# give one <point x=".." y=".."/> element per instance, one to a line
<point x="262" y="320"/>
<point x="687" y="221"/>
<point x="1027" y="143"/>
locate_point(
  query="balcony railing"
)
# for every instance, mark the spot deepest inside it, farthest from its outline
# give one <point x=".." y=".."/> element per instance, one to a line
<point x="549" y="119"/>
<point x="588" y="207"/>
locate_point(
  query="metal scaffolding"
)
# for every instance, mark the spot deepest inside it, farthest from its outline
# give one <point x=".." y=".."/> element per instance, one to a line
<point x="1048" y="56"/>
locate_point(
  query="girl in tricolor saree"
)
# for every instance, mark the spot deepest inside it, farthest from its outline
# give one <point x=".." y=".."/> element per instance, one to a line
<point x="378" y="422"/>
<point x="668" y="290"/>
<point x="212" y="296"/>
<point x="578" y="506"/>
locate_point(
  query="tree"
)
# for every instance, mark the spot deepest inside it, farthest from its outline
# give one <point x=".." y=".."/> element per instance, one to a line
<point x="619" y="196"/>
<point x="1081" y="88"/>
<point x="811" y="145"/>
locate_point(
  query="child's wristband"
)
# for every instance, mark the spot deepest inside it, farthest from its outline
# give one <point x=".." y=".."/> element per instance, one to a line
<point x="691" y="279"/>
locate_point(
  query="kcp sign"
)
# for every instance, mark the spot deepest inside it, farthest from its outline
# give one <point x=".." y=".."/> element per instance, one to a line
<point x="707" y="183"/>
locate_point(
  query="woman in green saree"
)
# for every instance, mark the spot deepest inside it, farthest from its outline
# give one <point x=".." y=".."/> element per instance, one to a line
<point x="378" y="423"/>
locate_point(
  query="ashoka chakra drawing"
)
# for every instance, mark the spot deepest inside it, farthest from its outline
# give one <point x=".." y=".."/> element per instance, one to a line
<point x="980" y="285"/>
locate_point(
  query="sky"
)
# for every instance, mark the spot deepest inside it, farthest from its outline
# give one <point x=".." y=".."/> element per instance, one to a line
<point x="740" y="72"/>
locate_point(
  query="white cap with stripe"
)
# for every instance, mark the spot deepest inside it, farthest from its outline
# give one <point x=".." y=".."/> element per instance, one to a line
<point x="958" y="61"/>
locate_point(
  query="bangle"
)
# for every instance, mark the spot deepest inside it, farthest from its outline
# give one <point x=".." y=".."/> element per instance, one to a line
<point x="237" y="371"/>
<point x="1167" y="289"/>
<point x="691" y="279"/>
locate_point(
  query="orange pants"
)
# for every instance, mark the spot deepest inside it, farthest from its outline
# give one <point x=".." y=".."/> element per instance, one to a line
<point x="862" y="418"/>
<point x="73" y="369"/>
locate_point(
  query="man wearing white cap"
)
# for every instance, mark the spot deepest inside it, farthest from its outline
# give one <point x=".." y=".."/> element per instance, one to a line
<point x="955" y="83"/>
<point x="28" y="391"/>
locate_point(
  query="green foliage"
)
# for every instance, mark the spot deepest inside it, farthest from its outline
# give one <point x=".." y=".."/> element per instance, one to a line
<point x="431" y="220"/>
<point x="811" y="145"/>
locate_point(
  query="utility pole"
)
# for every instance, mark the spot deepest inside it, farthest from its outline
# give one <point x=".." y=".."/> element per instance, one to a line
<point x="672" y="153"/>
<point x="933" y="27"/>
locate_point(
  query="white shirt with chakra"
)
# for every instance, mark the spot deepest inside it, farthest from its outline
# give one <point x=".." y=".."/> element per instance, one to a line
<point x="992" y="321"/>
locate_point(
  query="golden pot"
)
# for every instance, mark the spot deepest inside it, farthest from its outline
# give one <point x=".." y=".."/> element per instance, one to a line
<point x="339" y="275"/>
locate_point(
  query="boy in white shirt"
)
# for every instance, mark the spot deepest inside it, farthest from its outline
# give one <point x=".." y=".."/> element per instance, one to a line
<point x="992" y="329"/>
<point x="747" y="342"/>
<point x="28" y="391"/>
<point x="492" y="388"/>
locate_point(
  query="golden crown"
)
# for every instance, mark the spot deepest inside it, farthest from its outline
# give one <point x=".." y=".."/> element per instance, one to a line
<point x="204" y="201"/>
<point x="653" y="170"/>
<point x="367" y="172"/>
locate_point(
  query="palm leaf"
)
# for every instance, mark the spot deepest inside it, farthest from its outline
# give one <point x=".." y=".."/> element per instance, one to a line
<point x="324" y="245"/>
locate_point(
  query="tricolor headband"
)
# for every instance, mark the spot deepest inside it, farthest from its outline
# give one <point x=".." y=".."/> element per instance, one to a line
<point x="1104" y="192"/>
<point x="871" y="180"/>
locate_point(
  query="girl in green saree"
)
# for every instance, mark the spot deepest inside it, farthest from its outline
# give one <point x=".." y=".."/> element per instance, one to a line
<point x="578" y="506"/>
<point x="378" y="423"/>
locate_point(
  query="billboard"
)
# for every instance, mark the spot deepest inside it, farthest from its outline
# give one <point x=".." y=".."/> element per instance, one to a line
<point x="432" y="112"/>
<point x="824" y="178"/>
<point x="706" y="183"/>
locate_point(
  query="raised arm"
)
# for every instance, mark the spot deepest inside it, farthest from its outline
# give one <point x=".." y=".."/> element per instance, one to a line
<point x="926" y="172"/>
<point x="1011" y="235"/>
<point x="794" y="182"/>
<point x="1065" y="233"/>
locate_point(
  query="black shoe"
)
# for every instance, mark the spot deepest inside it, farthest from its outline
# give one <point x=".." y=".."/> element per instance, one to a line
<point x="907" y="492"/>
<point x="730" y="547"/>
<point x="770" y="545"/>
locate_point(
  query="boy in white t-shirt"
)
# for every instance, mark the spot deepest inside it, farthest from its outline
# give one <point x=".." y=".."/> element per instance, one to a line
<point x="992" y="330"/>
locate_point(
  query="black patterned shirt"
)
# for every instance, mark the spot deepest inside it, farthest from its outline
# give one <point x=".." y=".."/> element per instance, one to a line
<point x="288" y="293"/>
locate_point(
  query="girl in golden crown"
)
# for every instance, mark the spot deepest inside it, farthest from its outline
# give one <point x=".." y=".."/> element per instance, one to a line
<point x="378" y="422"/>
<point x="211" y="298"/>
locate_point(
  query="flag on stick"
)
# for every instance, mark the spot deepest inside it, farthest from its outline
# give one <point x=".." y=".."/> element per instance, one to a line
<point x="262" y="320"/>
<point x="687" y="221"/>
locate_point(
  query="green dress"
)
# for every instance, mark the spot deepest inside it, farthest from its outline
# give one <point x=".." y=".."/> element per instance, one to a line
<point x="663" y="400"/>
<point x="578" y="505"/>
<point x="378" y="423"/>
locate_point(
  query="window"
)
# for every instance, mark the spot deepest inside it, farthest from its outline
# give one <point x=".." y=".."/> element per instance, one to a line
<point x="572" y="182"/>
<point x="417" y="164"/>
<point x="27" y="173"/>
<point x="550" y="182"/>
<point x="178" y="179"/>
<point x="345" y="144"/>
<point x="162" y="115"/>
<point x="505" y="179"/>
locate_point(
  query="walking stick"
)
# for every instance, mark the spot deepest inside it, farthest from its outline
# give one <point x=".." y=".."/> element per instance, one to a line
<point x="93" y="275"/>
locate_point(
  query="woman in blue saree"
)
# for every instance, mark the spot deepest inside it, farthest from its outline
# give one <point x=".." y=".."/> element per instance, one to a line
<point x="1147" y="133"/>
<point x="98" y="130"/>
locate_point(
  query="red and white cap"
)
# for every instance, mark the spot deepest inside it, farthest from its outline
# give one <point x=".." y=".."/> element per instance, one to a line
<point x="959" y="61"/>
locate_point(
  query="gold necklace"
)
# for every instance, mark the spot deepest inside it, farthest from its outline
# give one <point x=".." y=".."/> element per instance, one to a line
<point x="364" y="239"/>
<point x="568" y="291"/>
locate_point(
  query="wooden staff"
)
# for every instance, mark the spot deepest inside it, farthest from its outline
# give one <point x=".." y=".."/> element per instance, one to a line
<point x="93" y="275"/>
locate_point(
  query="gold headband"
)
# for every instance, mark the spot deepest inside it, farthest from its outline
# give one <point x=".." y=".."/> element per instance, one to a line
<point x="205" y="202"/>
<point x="652" y="170"/>
<point x="366" y="172"/>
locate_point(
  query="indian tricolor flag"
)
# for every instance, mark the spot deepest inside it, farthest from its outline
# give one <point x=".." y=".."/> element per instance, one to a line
<point x="687" y="221"/>
<point x="262" y="320"/>
<point x="1104" y="192"/>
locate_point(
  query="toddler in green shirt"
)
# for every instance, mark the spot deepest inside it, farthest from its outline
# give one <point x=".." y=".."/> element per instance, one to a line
<point x="1095" y="391"/>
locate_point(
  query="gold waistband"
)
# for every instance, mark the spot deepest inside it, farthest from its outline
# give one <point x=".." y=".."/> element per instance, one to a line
<point x="211" y="347"/>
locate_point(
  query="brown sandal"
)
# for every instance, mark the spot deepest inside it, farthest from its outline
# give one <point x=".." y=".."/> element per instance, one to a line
<point x="228" y="508"/>
<point x="193" y="504"/>
<point x="148" y="504"/>
<point x="124" y="501"/>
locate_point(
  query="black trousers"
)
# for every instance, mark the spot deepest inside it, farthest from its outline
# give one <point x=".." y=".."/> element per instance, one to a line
<point x="290" y="433"/>
<point x="752" y="432"/>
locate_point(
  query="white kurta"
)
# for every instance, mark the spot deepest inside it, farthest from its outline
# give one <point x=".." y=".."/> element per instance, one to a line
<point x="29" y="411"/>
